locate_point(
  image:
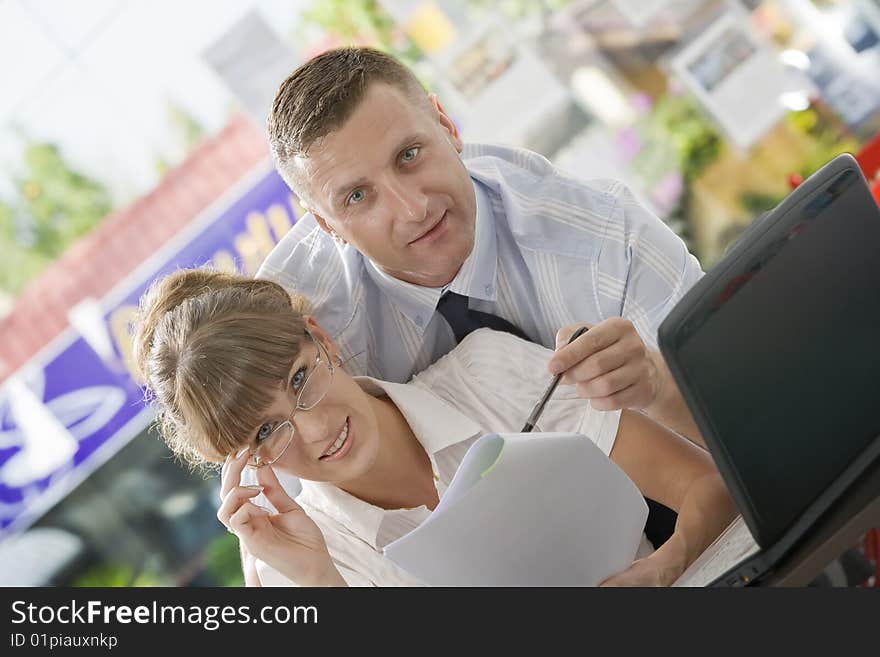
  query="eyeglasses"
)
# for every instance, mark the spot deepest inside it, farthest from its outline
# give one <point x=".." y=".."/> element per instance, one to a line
<point x="312" y="390"/>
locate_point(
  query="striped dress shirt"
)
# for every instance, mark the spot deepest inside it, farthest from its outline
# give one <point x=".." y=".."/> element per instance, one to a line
<point x="549" y="250"/>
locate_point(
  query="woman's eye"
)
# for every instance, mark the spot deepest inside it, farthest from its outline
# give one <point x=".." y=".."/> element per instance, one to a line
<point x="356" y="196"/>
<point x="298" y="379"/>
<point x="265" y="431"/>
<point x="410" y="154"/>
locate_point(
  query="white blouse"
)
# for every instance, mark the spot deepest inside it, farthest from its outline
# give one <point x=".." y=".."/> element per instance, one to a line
<point x="488" y="384"/>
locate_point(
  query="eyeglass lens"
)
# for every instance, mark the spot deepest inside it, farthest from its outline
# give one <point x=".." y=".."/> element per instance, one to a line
<point x="313" y="390"/>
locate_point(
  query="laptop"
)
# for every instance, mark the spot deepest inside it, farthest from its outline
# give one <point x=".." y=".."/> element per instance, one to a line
<point x="776" y="351"/>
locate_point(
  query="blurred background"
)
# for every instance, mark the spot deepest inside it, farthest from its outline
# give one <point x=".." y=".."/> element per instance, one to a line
<point x="131" y="143"/>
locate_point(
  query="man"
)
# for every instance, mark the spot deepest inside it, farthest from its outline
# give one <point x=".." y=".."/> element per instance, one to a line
<point x="412" y="240"/>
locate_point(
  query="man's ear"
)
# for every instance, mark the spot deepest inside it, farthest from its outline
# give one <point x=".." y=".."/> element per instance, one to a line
<point x="446" y="122"/>
<point x="322" y="223"/>
<point x="321" y="335"/>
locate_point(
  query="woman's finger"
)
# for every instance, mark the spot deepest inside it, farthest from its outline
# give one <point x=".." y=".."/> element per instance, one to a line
<point x="244" y="521"/>
<point x="234" y="500"/>
<point x="230" y="473"/>
<point x="274" y="491"/>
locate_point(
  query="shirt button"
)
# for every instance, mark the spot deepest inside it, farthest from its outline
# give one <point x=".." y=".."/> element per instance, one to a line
<point x="489" y="289"/>
<point x="420" y="320"/>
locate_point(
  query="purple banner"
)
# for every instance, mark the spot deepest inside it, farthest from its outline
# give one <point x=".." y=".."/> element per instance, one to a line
<point x="77" y="403"/>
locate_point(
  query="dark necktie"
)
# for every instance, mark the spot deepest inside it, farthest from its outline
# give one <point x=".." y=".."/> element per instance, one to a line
<point x="463" y="320"/>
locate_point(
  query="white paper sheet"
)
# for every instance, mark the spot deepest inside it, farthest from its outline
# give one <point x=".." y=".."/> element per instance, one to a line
<point x="532" y="509"/>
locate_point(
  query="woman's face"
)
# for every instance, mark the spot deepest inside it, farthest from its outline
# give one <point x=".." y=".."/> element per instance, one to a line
<point x="337" y="440"/>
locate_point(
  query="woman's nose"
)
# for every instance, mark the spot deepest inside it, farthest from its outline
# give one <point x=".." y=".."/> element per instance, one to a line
<point x="312" y="426"/>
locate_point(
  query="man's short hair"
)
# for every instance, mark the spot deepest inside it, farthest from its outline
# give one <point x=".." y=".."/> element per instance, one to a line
<point x="320" y="96"/>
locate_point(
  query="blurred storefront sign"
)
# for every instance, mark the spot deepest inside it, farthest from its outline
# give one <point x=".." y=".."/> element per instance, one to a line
<point x="75" y="404"/>
<point x="252" y="60"/>
<point x="483" y="69"/>
<point x="728" y="63"/>
<point x="640" y="12"/>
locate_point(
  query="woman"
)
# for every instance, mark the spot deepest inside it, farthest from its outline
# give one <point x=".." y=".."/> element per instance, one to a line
<point x="243" y="377"/>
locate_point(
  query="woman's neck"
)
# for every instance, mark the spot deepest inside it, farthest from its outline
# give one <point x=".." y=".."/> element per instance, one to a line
<point x="402" y="476"/>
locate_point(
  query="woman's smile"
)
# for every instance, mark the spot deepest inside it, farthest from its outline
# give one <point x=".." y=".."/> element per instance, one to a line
<point x="341" y="445"/>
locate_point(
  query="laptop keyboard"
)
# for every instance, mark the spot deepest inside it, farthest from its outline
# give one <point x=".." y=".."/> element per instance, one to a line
<point x="732" y="546"/>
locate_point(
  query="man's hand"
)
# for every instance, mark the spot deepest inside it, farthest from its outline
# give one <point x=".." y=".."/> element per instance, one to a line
<point x="609" y="364"/>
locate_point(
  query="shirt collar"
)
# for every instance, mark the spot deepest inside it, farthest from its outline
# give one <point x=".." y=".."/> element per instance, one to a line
<point x="436" y="425"/>
<point x="476" y="278"/>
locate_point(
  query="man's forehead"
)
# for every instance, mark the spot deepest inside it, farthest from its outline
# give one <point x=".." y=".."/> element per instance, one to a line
<point x="382" y="113"/>
<point x="322" y="170"/>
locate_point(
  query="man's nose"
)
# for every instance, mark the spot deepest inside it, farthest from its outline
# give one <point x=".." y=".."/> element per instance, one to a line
<point x="406" y="200"/>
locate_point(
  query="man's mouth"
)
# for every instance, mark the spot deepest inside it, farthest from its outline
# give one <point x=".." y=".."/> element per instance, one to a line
<point x="436" y="229"/>
<point x="337" y="443"/>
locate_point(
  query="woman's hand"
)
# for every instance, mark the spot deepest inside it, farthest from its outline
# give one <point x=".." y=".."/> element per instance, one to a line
<point x="650" y="571"/>
<point x="288" y="540"/>
<point x="661" y="568"/>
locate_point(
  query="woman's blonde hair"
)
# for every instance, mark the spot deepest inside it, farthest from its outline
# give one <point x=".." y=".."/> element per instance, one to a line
<point x="212" y="347"/>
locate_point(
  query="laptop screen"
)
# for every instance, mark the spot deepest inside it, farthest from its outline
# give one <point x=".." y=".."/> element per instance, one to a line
<point x="782" y="356"/>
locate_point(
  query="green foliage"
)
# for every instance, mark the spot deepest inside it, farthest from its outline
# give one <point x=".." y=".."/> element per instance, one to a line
<point x="52" y="207"/>
<point x="360" y="22"/>
<point x="351" y="20"/>
<point x="117" y="575"/>
<point x="187" y="131"/>
<point x="675" y="134"/>
<point x="60" y="203"/>
<point x="185" y="126"/>
<point x="755" y="203"/>
<point x="223" y="560"/>
<point x="695" y="141"/>
<point x="823" y="139"/>
<point x="517" y="9"/>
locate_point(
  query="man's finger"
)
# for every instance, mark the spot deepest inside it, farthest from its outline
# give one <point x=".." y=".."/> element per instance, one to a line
<point x="564" y="334"/>
<point x="626" y="398"/>
<point x="613" y="382"/>
<point x="596" y="339"/>
<point x="605" y="361"/>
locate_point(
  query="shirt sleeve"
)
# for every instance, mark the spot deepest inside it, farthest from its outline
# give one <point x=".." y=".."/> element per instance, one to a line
<point x="644" y="263"/>
<point x="271" y="577"/>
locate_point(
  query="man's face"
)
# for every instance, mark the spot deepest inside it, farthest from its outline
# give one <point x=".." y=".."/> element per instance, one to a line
<point x="390" y="182"/>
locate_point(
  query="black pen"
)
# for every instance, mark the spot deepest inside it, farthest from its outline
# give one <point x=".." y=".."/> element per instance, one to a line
<point x="539" y="407"/>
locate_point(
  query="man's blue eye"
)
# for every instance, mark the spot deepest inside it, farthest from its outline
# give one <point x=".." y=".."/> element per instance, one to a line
<point x="298" y="378"/>
<point x="356" y="196"/>
<point x="410" y="154"/>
